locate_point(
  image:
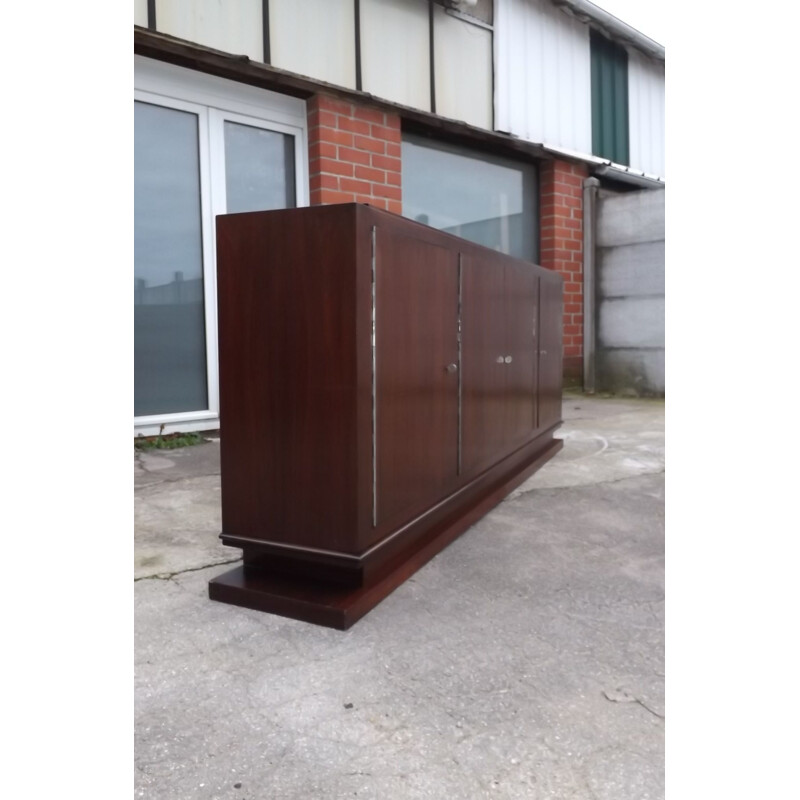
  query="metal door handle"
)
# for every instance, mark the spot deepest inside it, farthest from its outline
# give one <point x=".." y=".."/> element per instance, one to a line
<point x="451" y="368"/>
<point x="499" y="360"/>
<point x="543" y="352"/>
<point x="508" y="359"/>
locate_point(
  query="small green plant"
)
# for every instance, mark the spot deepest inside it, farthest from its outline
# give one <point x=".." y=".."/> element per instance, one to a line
<point x="170" y="441"/>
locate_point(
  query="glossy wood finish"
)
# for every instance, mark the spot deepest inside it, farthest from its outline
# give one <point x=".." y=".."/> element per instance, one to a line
<point x="340" y="463"/>
<point x="550" y="348"/>
<point x="483" y="326"/>
<point x="287" y="343"/>
<point x="521" y="299"/>
<point x="417" y="396"/>
<point x="499" y="321"/>
<point x="333" y="605"/>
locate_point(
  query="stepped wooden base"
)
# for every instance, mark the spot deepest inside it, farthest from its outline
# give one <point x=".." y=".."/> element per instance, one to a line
<point x="335" y="606"/>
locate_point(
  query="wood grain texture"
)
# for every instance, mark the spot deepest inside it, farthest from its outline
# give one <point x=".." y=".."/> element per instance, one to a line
<point x="417" y="398"/>
<point x="550" y="349"/>
<point x="335" y="606"/>
<point x="500" y="299"/>
<point x="299" y="473"/>
<point x="484" y="373"/>
<point x="520" y="375"/>
<point x="288" y="375"/>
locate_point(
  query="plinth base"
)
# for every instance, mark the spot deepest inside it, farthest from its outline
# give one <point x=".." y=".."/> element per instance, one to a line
<point x="337" y="606"/>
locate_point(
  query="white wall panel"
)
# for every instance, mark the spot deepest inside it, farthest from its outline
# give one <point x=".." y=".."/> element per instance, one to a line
<point x="234" y="27"/>
<point x="463" y="69"/>
<point x="542" y="75"/>
<point x="395" y="51"/>
<point x="646" y="113"/>
<point x="314" y="38"/>
<point x="140" y="13"/>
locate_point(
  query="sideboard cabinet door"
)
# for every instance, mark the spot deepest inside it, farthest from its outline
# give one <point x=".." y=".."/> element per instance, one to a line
<point x="416" y="375"/>
<point x="521" y="301"/>
<point x="550" y="358"/>
<point x="498" y="352"/>
<point x="483" y="353"/>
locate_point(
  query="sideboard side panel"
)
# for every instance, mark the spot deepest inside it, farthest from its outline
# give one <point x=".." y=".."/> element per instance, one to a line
<point x="288" y="376"/>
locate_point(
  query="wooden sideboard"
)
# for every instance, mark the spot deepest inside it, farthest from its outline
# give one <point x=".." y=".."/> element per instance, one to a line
<point x="382" y="386"/>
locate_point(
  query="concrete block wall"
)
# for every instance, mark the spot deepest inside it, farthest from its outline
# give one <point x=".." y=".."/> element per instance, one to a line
<point x="630" y="293"/>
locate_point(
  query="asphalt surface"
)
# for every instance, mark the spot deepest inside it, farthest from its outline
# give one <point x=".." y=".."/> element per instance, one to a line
<point x="524" y="661"/>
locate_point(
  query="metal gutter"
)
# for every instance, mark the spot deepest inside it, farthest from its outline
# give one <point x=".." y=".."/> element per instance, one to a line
<point x="603" y="167"/>
<point x="628" y="175"/>
<point x="608" y="24"/>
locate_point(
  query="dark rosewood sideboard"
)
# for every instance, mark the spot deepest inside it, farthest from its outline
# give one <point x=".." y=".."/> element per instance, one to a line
<point x="382" y="386"/>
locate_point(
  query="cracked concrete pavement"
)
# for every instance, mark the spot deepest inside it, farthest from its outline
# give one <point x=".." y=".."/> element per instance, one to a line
<point x="525" y="661"/>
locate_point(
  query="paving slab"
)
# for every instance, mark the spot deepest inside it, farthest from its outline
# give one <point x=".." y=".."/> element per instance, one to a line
<point x="524" y="661"/>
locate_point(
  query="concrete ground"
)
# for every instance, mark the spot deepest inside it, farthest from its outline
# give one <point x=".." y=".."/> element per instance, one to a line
<point x="524" y="661"/>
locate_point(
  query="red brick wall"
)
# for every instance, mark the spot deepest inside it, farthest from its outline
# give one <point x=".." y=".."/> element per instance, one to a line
<point x="561" y="248"/>
<point x="353" y="154"/>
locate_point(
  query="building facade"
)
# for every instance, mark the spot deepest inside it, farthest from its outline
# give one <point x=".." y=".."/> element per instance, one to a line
<point x="479" y="117"/>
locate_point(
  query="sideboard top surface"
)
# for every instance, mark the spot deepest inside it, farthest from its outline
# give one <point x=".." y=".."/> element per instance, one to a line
<point x="365" y="214"/>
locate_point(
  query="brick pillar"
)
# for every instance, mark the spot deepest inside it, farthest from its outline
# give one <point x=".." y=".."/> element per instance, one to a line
<point x="353" y="154"/>
<point x="561" y="249"/>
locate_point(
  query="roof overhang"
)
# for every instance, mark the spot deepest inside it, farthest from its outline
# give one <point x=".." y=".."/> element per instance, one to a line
<point x="610" y="26"/>
<point x="180" y="52"/>
<point x="604" y="168"/>
<point x="183" y="53"/>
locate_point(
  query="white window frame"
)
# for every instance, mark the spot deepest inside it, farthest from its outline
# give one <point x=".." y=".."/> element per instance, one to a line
<point x="151" y="424"/>
<point x="216" y="100"/>
<point x="217" y="143"/>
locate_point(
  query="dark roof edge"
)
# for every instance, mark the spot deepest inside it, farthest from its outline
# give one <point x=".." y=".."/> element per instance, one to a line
<point x="612" y="27"/>
<point x="241" y="68"/>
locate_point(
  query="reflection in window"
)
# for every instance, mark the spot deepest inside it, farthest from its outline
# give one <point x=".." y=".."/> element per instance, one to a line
<point x="169" y="312"/>
<point x="259" y="169"/>
<point x="481" y="197"/>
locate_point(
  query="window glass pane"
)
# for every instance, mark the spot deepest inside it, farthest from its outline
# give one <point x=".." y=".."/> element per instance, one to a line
<point x="169" y="318"/>
<point x="481" y="197"/>
<point x="259" y="169"/>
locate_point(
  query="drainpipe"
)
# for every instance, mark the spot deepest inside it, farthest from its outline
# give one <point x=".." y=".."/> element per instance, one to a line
<point x="590" y="189"/>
